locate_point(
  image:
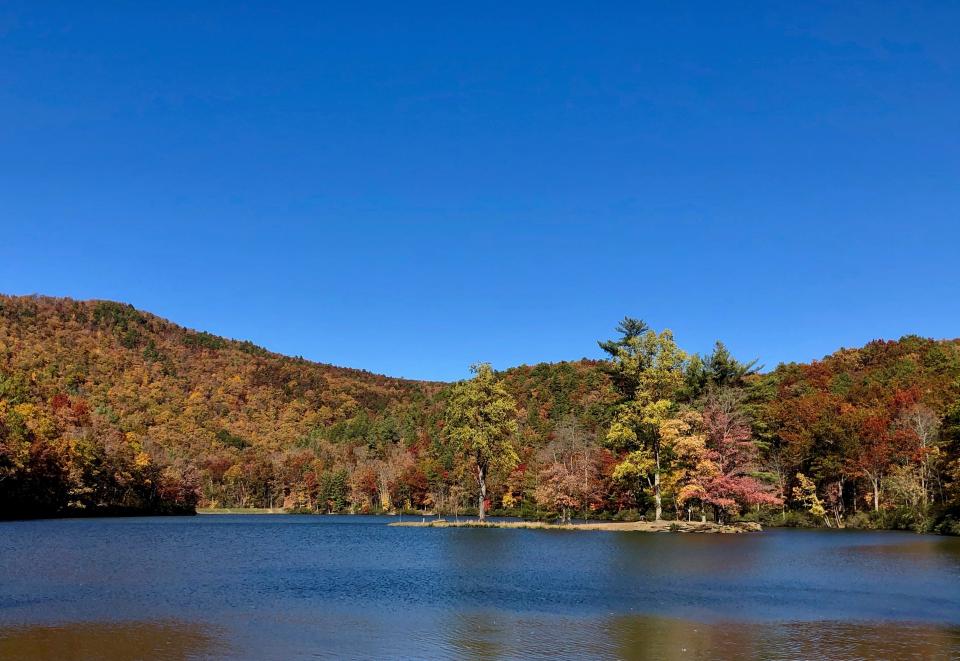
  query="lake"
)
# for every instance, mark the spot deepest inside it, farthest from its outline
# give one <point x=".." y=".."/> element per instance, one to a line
<point x="281" y="587"/>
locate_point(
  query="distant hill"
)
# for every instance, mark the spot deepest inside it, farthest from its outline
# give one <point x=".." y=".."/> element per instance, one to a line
<point x="108" y="409"/>
<point x="178" y="385"/>
<point x="181" y="396"/>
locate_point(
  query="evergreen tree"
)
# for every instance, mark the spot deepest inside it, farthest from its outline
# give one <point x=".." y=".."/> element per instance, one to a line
<point x="647" y="369"/>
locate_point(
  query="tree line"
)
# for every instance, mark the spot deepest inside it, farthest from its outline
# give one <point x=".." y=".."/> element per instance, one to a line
<point x="127" y="410"/>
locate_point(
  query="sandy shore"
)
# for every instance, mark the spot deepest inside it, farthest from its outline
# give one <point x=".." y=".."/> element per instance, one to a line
<point x="239" y="510"/>
<point x="633" y="526"/>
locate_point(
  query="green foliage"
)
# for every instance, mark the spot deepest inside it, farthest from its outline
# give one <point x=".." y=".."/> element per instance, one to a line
<point x="841" y="384"/>
<point x="648" y="370"/>
<point x="14" y="388"/>
<point x="225" y="438"/>
<point x="123" y="319"/>
<point x="481" y="421"/>
<point x="334" y="490"/>
<point x="792" y="519"/>
<point x="151" y="353"/>
<point x="120" y="316"/>
<point x="949" y="525"/>
<point x="627" y="515"/>
<point x="203" y="340"/>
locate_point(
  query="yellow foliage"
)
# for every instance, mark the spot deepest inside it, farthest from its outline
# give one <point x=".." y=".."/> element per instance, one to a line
<point x="634" y="466"/>
<point x="142" y="460"/>
<point x="806" y="493"/>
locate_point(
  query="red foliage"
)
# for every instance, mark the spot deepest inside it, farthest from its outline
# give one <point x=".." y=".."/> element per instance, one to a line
<point x="732" y="459"/>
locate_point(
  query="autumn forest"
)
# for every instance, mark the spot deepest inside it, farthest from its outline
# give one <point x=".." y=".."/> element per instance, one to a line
<point x="105" y="409"/>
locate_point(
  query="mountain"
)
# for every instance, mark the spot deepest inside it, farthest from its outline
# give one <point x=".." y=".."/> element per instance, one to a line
<point x="108" y="409"/>
<point x="142" y="389"/>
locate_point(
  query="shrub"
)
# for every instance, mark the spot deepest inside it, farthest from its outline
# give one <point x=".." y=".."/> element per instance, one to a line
<point x="860" y="520"/>
<point x="794" y="519"/>
<point x="948" y="526"/>
<point x="902" y="518"/>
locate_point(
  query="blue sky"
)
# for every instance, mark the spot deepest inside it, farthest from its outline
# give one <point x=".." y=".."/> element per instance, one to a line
<point x="412" y="189"/>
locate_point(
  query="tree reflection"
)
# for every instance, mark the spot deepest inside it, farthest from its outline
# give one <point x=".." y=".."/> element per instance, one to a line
<point x="167" y="641"/>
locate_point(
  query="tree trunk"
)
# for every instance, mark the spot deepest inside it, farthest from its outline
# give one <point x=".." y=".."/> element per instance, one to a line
<point x="876" y="493"/>
<point x="923" y="481"/>
<point x="482" y="481"/>
<point x="656" y="488"/>
<point x="838" y="508"/>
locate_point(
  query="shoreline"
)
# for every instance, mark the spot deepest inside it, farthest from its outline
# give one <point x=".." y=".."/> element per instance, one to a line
<point x="611" y="526"/>
<point x="632" y="526"/>
<point x="240" y="510"/>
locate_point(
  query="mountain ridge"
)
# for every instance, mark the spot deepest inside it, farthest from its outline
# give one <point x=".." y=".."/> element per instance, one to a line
<point x="107" y="408"/>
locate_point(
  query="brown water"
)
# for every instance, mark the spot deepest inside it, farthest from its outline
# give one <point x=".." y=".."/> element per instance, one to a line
<point x="351" y="587"/>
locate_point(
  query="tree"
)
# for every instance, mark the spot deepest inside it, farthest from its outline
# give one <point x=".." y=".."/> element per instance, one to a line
<point x="481" y="423"/>
<point x="731" y="450"/>
<point x="647" y="370"/>
<point x="904" y="485"/>
<point x="924" y="426"/>
<point x="569" y="477"/>
<point x="721" y="460"/>
<point x="806" y="493"/>
<point x="723" y="370"/>
<point x="558" y="488"/>
<point x="875" y="451"/>
<point x="717" y="371"/>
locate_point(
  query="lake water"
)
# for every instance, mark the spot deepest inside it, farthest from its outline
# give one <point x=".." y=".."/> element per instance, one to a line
<point x="281" y="587"/>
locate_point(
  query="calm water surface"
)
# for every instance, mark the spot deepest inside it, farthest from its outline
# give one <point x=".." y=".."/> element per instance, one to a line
<point x="264" y="587"/>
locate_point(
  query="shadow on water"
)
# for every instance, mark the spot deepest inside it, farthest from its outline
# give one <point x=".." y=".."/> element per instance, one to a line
<point x="115" y="641"/>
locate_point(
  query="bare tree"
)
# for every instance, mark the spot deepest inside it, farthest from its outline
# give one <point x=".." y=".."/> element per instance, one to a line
<point x="924" y="425"/>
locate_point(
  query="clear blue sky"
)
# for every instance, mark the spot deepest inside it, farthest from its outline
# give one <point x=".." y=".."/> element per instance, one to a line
<point x="412" y="188"/>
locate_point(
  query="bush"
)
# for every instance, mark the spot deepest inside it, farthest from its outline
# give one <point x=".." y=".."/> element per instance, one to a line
<point x="948" y="526"/>
<point x="774" y="518"/>
<point x="902" y="518"/>
<point x="753" y="516"/>
<point x="794" y="519"/>
<point x="860" y="520"/>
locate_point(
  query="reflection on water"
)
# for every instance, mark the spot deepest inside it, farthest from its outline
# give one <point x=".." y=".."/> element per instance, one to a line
<point x="167" y="641"/>
<point x="351" y="587"/>
<point x="644" y="638"/>
<point x="502" y="635"/>
<point x="480" y="635"/>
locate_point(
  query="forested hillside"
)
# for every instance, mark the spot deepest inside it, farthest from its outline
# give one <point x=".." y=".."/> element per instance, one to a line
<point x="104" y="408"/>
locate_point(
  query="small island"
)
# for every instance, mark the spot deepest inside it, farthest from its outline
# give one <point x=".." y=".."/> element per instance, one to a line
<point x="609" y="526"/>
